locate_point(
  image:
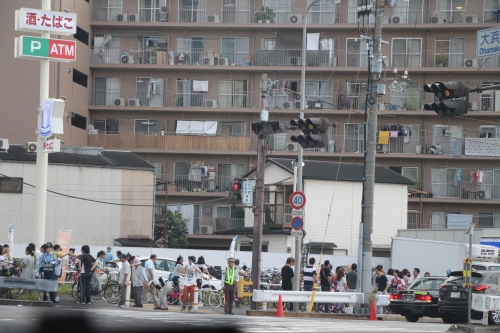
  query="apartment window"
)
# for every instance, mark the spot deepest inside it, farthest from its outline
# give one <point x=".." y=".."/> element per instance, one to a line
<point x="450" y="52"/>
<point x="80" y="78"/>
<point x="186" y="96"/>
<point x="236" y="11"/>
<point x="489" y="187"/>
<point x="108" y="10"/>
<point x="406" y="97"/>
<point x="235" y="49"/>
<point x="79" y="121"/>
<point x="108" y="50"/>
<point x="490" y="11"/>
<point x="453" y="10"/>
<point x="181" y="171"/>
<point x="490" y="100"/>
<point x="107" y="91"/>
<point x="489" y="131"/>
<point x="192" y="10"/>
<point x="353" y="138"/>
<point x="407" y="12"/>
<point x="280" y="10"/>
<point x="357" y="52"/>
<point x="448" y="138"/>
<point x="322" y="12"/>
<point x="439" y="219"/>
<point x="319" y="94"/>
<point x="190" y="49"/>
<point x="233" y="93"/>
<point x="11" y="185"/>
<point x="107" y="126"/>
<point x="149" y="10"/>
<point x="82" y="35"/>
<point x="485" y="220"/>
<point x="444" y="183"/>
<point x="147" y="126"/>
<point x="352" y="15"/>
<point x="226" y="172"/>
<point x="232" y="128"/>
<point x="406" y="52"/>
<point x="149" y="91"/>
<point x="158" y="168"/>
<point x="354" y="97"/>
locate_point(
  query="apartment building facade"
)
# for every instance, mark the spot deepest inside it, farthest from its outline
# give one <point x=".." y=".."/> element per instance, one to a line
<point x="177" y="82"/>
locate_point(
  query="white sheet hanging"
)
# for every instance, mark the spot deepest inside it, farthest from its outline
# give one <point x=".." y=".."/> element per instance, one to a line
<point x="210" y="128"/>
<point x="313" y="41"/>
<point x="196" y="128"/>
<point x="183" y="127"/>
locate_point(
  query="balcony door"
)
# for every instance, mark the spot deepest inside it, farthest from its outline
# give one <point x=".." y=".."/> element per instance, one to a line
<point x="150" y="91"/>
<point x="236" y="11"/>
<point x="444" y="184"/>
<point x="192" y="10"/>
<point x="149" y="10"/>
<point x="406" y="52"/>
<point x="452" y="10"/>
<point x="235" y="49"/>
<point x="490" y="100"/>
<point x="319" y="94"/>
<point x="107" y="49"/>
<point x="352" y="15"/>
<point x="108" y="10"/>
<point x="191" y="49"/>
<point x="357" y="52"/>
<point x="453" y="48"/>
<point x="185" y="95"/>
<point x="354" y="138"/>
<point x="226" y="172"/>
<point x="356" y="97"/>
<point x="280" y="9"/>
<point x="409" y="11"/>
<point x="446" y="136"/>
<point x="322" y="12"/>
<point x="107" y="91"/>
<point x="233" y="93"/>
<point x="147" y="126"/>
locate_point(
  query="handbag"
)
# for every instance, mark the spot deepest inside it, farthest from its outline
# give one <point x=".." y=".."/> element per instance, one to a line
<point x="171" y="277"/>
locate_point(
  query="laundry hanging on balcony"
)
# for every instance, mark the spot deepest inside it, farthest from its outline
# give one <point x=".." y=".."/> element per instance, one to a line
<point x="200" y="85"/>
<point x="383" y="137"/>
<point x="151" y="89"/>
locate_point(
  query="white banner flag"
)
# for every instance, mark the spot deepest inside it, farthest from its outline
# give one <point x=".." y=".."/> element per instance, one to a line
<point x="230" y="253"/>
<point x="10" y="235"/>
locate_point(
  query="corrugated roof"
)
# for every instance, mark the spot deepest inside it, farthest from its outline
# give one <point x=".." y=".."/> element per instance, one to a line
<point x="110" y="159"/>
<point x="340" y="171"/>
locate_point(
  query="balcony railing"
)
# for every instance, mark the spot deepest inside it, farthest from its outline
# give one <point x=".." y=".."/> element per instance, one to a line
<point x="457" y="190"/>
<point x="440" y="221"/>
<point x="194" y="183"/>
<point x="207" y="226"/>
<point x="215" y="13"/>
<point x="284" y="58"/>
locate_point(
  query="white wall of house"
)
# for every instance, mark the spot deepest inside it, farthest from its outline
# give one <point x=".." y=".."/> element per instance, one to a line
<point x="276" y="243"/>
<point x="90" y="222"/>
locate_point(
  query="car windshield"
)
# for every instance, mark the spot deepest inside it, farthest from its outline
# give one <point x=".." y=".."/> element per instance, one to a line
<point x="494" y="268"/>
<point x="426" y="284"/>
<point x="457" y="279"/>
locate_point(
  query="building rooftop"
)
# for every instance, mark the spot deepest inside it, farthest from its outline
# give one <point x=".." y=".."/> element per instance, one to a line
<point x="340" y="171"/>
<point x="108" y="159"/>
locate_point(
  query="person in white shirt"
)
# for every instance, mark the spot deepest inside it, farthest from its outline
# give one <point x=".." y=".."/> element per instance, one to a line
<point x="189" y="283"/>
<point x="139" y="280"/>
<point x="163" y="287"/>
<point x="151" y="275"/>
<point x="415" y="275"/>
<point x="123" y="279"/>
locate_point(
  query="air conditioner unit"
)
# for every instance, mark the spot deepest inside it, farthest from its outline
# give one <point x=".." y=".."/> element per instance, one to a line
<point x="120" y="102"/>
<point x="133" y="102"/>
<point x="294" y="61"/>
<point x="470" y="63"/>
<point x="296" y="18"/>
<point x="211" y="103"/>
<point x="385" y="20"/>
<point x="4" y="144"/>
<point x="382" y="148"/>
<point x="122" y="17"/>
<point x="207" y="61"/>
<point x="395" y="19"/>
<point x="223" y="61"/>
<point x="292" y="146"/>
<point x="480" y="195"/>
<point x="127" y="59"/>
<point x="213" y="18"/>
<point x="439" y="19"/>
<point x="31" y="147"/>
<point x="471" y="19"/>
<point x="473" y="106"/>
<point x="288" y="105"/>
<point x="133" y="17"/>
<point x="207" y="230"/>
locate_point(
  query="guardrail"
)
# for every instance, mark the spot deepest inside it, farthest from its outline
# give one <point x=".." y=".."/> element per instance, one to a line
<point x="33" y="284"/>
<point x="305" y="297"/>
<point x="485" y="304"/>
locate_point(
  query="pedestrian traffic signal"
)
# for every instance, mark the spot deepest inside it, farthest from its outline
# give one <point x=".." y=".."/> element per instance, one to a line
<point x="313" y="132"/>
<point x="450" y="94"/>
<point x="235" y="191"/>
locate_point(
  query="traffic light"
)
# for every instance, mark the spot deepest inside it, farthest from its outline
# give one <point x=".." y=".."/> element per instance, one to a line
<point x="450" y="94"/>
<point x="314" y="132"/>
<point x="269" y="127"/>
<point x="235" y="191"/>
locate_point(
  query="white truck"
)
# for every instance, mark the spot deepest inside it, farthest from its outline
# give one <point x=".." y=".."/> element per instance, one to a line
<point x="437" y="257"/>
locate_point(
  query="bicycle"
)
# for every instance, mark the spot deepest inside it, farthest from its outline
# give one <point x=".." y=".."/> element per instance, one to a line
<point x="11" y="270"/>
<point x="111" y="290"/>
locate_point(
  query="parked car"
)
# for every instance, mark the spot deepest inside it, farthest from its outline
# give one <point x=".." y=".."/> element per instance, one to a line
<point x="164" y="266"/>
<point x="419" y="300"/>
<point x="485" y="266"/>
<point x="453" y="297"/>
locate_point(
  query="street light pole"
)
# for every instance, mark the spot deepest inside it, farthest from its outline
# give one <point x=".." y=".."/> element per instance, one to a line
<point x="42" y="159"/>
<point x="298" y="240"/>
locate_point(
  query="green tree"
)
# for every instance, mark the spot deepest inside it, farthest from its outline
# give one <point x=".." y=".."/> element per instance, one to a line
<point x="176" y="230"/>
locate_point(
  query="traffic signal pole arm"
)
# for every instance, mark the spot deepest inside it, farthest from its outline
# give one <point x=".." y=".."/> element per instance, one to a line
<point x="481" y="89"/>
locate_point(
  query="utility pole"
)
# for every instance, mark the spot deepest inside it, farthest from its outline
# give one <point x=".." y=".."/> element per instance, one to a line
<point x="42" y="159"/>
<point x="259" y="193"/>
<point x="369" y="181"/>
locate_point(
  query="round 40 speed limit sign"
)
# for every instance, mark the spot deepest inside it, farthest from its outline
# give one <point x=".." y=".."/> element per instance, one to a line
<point x="297" y="200"/>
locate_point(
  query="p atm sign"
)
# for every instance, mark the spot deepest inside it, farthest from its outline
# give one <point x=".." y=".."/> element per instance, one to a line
<point x="29" y="47"/>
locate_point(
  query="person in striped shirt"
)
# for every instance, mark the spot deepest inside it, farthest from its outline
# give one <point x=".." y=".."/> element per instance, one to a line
<point x="308" y="276"/>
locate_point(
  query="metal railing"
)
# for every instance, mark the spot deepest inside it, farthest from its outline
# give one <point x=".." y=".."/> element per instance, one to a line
<point x="284" y="58"/>
<point x="457" y="189"/>
<point x="440" y="221"/>
<point x="207" y="226"/>
<point x="194" y="183"/>
<point x="214" y="12"/>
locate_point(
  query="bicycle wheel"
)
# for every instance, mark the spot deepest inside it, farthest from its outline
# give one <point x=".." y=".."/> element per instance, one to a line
<point x="147" y="295"/>
<point x="214" y="299"/>
<point x="16" y="293"/>
<point x="204" y="294"/>
<point x="112" y="292"/>
<point x="75" y="291"/>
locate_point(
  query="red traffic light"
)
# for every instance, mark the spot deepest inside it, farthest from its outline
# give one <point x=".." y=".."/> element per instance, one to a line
<point x="236" y="187"/>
